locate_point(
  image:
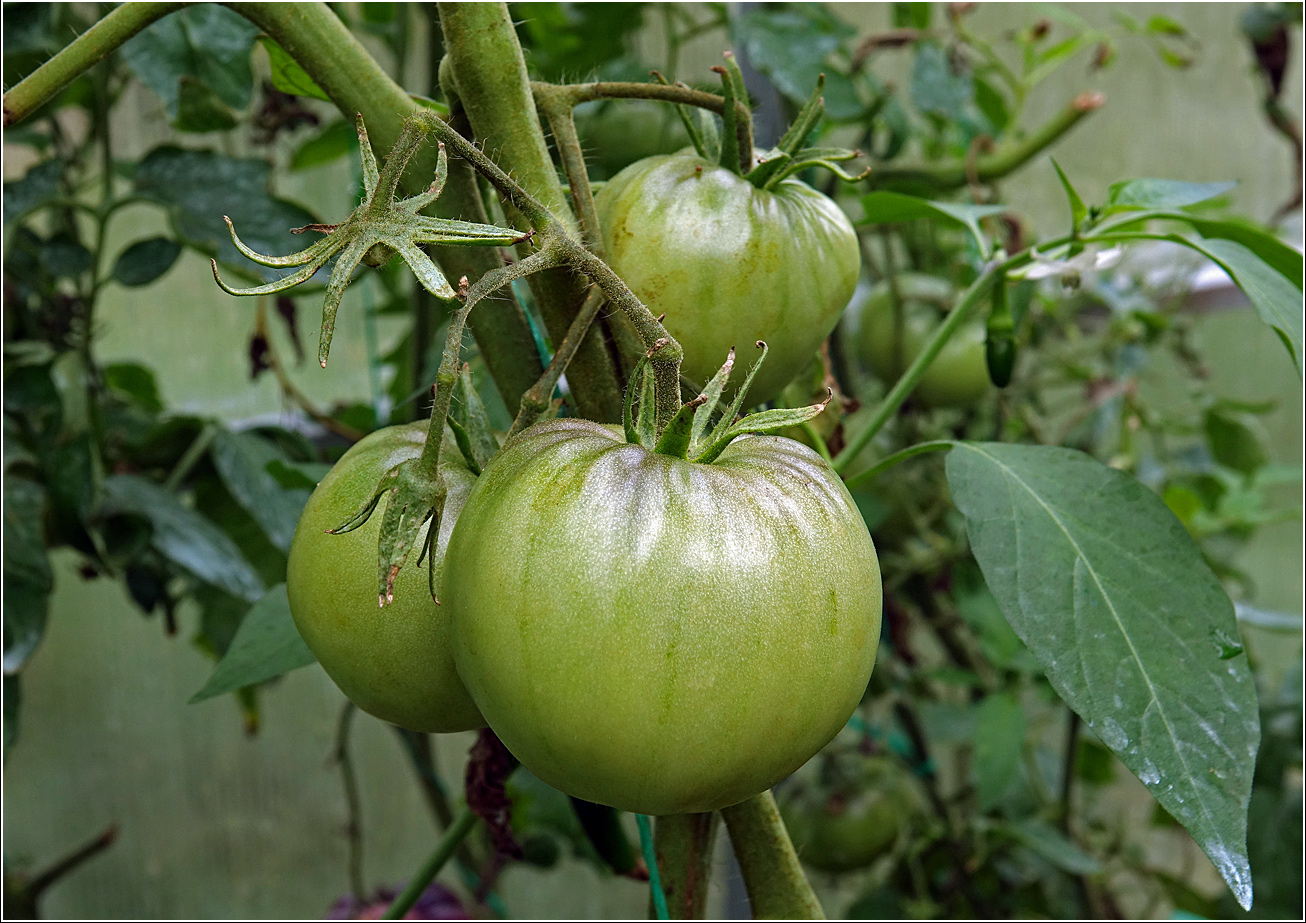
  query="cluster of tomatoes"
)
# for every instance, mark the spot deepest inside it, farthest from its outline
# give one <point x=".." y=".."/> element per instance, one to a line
<point x="641" y="630"/>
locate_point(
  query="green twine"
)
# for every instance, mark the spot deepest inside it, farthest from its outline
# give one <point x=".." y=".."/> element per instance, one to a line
<point x="651" y="860"/>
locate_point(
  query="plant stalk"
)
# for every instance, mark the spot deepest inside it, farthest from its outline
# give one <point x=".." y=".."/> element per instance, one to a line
<point x="683" y="845"/>
<point x="444" y="850"/>
<point x="773" y="876"/>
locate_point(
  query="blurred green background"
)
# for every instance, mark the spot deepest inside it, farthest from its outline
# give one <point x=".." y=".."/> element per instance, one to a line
<point x="213" y="822"/>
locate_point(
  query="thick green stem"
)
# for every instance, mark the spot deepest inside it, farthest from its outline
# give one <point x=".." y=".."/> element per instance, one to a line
<point x="316" y="38"/>
<point x="444" y="850"/>
<point x="489" y="72"/>
<point x="683" y="844"/>
<point x="773" y="876"/>
<point x="953" y="174"/>
<point x="92" y="46"/>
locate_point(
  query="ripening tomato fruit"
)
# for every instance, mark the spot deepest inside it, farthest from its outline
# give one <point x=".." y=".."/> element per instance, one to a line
<point x="849" y="825"/>
<point x="392" y="662"/>
<point x="729" y="263"/>
<point x="656" y="634"/>
<point x="958" y="376"/>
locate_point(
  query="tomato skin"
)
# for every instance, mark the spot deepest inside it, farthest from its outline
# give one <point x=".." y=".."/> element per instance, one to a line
<point x="730" y="264"/>
<point x="659" y="635"/>
<point x="392" y="662"/>
<point x="849" y="829"/>
<point x="958" y="376"/>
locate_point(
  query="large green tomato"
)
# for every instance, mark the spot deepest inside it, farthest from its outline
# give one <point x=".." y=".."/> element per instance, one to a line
<point x="850" y="826"/>
<point x="730" y="264"/>
<point x="655" y="634"/>
<point x="392" y="662"/>
<point x="958" y="376"/>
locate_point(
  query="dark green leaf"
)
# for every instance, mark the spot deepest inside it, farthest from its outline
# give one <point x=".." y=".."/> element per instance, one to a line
<point x="1161" y="193"/>
<point x="999" y="737"/>
<point x="1115" y="600"/>
<point x="39" y="185"/>
<point x="1094" y="763"/>
<point x="28" y="579"/>
<point x="65" y="258"/>
<point x="135" y="382"/>
<point x="199" y="187"/>
<point x="1233" y="440"/>
<point x="1280" y="257"/>
<point x="935" y="88"/>
<point x="997" y="641"/>
<point x="578" y="41"/>
<point x="297" y="475"/>
<point x="242" y="461"/>
<point x="336" y="140"/>
<point x="287" y="75"/>
<point x="266" y="646"/>
<point x="1053" y="846"/>
<point x="892" y="207"/>
<point x="145" y="261"/>
<point x="205" y="42"/>
<point x="72" y="471"/>
<point x="183" y="536"/>
<point x="992" y="105"/>
<point x="200" y="110"/>
<point x="790" y="47"/>
<point x="912" y="15"/>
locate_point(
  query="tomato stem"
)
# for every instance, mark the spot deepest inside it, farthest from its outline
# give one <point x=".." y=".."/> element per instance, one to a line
<point x="442" y="853"/>
<point x="773" y="876"/>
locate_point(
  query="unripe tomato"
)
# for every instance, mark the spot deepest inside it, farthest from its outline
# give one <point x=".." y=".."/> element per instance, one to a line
<point x="656" y="634"/>
<point x="958" y="376"/>
<point x="730" y="264"/>
<point x="392" y="662"/>
<point x="847" y="827"/>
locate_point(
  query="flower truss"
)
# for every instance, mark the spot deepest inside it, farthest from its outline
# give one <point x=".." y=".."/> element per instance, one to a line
<point x="379" y="227"/>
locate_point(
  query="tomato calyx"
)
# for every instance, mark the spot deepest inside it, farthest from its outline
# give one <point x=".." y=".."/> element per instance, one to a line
<point x="378" y="228"/>
<point x="790" y="157"/>
<point x="691" y="433"/>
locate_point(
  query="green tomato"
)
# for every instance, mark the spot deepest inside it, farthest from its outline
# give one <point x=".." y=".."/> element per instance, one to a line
<point x="958" y="376"/>
<point x="655" y="634"/>
<point x="392" y="662"/>
<point x="851" y="826"/>
<point x="730" y="264"/>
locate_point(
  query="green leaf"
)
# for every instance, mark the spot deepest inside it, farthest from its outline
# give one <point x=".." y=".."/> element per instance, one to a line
<point x="935" y="88"/>
<point x="1233" y="440"/>
<point x="242" y="461"/>
<point x="999" y="737"/>
<point x="301" y="475"/>
<point x="468" y="410"/>
<point x="791" y="47"/>
<point x="1160" y="193"/>
<point x="992" y="105"/>
<point x="1283" y="259"/>
<point x="135" y="382"/>
<point x="892" y="207"/>
<point x="336" y="140"/>
<point x="145" y="261"/>
<point x="266" y="645"/>
<point x="764" y="421"/>
<point x="183" y="536"/>
<point x="1114" y="598"/>
<point x="199" y="187"/>
<point x="287" y="75"/>
<point x="1078" y="210"/>
<point x="205" y="42"/>
<point x="200" y="110"/>
<point x="1053" y="846"/>
<point x="39" y="185"/>
<point x="28" y="579"/>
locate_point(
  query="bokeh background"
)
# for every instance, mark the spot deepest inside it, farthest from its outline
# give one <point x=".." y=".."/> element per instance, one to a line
<point x="215" y="822"/>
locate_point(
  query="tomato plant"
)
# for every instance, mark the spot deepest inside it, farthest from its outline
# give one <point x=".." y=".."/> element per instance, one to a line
<point x="654" y="599"/>
<point x="395" y="662"/>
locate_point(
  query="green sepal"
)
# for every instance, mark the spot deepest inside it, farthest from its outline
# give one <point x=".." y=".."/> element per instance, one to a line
<point x="467" y="413"/>
<point x="627" y="410"/>
<point x="464" y="443"/>
<point x="675" y="438"/>
<point x="712" y="396"/>
<point x="808" y="118"/>
<point x="729" y="153"/>
<point x="646" y="425"/>
<point x="1000" y="337"/>
<point x="1078" y="210"/>
<point x="688" y="119"/>
<point x="728" y="417"/>
<point x="826" y="157"/>
<point x="764" y="421"/>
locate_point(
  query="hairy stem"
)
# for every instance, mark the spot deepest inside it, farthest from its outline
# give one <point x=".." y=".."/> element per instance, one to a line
<point x="488" y="70"/>
<point x="537" y="398"/>
<point x="773" y="876"/>
<point x="953" y="174"/>
<point x="683" y="845"/>
<point x="443" y="852"/>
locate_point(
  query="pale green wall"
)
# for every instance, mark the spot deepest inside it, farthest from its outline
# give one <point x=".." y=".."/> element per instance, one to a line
<point x="214" y="823"/>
